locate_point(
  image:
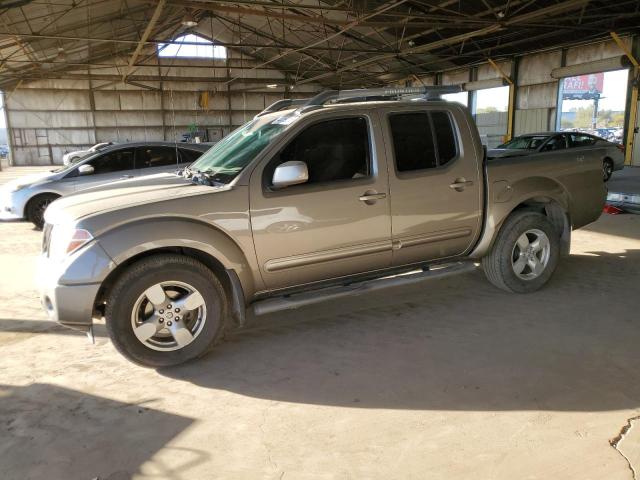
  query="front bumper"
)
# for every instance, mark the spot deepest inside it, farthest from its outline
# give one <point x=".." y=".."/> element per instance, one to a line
<point x="68" y="290"/>
<point x="12" y="205"/>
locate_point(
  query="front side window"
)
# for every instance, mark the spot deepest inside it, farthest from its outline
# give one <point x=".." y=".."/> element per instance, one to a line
<point x="115" y="161"/>
<point x="149" y="157"/>
<point x="332" y="150"/>
<point x="422" y="140"/>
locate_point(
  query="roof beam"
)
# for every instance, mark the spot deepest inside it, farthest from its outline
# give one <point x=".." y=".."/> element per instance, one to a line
<point x="143" y="39"/>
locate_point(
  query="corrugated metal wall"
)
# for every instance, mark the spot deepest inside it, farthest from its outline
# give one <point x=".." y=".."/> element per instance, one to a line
<point x="50" y="117"/>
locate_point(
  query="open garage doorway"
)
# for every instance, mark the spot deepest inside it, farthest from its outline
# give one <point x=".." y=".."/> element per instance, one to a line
<point x="490" y="106"/>
<point x="594" y="103"/>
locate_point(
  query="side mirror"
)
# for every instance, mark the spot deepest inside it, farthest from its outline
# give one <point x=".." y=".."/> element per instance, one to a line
<point x="85" y="170"/>
<point x="290" y="173"/>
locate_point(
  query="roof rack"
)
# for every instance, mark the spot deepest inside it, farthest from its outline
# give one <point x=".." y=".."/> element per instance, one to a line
<point x="385" y="93"/>
<point x="282" y="105"/>
<point x="362" y="95"/>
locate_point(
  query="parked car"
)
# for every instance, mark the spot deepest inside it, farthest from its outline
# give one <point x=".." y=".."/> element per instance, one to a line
<point x="572" y="144"/>
<point x="28" y="197"/>
<point x="308" y="204"/>
<point x="72" y="157"/>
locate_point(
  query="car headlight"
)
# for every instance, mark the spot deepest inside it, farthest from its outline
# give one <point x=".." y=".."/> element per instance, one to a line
<point x="18" y="186"/>
<point x="66" y="240"/>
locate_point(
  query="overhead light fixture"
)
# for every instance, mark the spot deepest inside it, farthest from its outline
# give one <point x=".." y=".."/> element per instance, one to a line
<point x="272" y="85"/>
<point x="188" y="20"/>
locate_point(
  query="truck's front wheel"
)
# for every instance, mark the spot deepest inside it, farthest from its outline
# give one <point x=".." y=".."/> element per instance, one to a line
<point x="525" y="254"/>
<point x="166" y="310"/>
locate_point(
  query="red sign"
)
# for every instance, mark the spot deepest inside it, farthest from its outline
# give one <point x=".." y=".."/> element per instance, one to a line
<point x="584" y="84"/>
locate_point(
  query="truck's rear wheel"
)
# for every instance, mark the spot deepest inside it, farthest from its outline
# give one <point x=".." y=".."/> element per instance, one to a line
<point x="166" y="310"/>
<point x="525" y="254"/>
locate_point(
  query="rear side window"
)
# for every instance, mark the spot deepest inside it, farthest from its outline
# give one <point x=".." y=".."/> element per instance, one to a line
<point x="445" y="138"/>
<point x="580" y="140"/>
<point x="333" y="150"/>
<point x="116" y="161"/>
<point x="422" y="140"/>
<point x="189" y="156"/>
<point x="148" y="157"/>
<point x="412" y="141"/>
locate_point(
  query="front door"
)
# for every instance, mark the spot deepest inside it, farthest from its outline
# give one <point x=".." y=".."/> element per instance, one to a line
<point x="335" y="224"/>
<point x="435" y="182"/>
<point x="108" y="167"/>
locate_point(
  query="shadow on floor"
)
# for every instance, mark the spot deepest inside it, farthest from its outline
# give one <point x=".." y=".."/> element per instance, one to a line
<point x="51" y="432"/>
<point x="454" y="344"/>
<point x="45" y="326"/>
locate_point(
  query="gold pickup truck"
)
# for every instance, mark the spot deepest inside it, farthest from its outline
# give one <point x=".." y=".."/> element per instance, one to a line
<point x="337" y="195"/>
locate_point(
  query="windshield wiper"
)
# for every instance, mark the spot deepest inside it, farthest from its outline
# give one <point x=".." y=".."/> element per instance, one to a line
<point x="206" y="177"/>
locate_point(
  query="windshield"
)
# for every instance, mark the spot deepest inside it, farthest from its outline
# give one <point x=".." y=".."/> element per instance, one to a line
<point x="528" y="142"/>
<point x="227" y="158"/>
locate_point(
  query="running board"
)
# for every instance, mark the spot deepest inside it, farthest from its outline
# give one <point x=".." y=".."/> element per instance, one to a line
<point x="296" y="300"/>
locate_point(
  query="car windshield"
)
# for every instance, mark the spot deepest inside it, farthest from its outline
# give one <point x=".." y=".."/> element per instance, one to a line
<point x="526" y="142"/>
<point x="227" y="158"/>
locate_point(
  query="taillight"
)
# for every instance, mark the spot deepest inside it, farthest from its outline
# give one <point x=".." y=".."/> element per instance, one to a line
<point x="620" y="147"/>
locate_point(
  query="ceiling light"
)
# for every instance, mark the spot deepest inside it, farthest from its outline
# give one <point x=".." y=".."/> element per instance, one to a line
<point x="188" y="21"/>
<point x="272" y="85"/>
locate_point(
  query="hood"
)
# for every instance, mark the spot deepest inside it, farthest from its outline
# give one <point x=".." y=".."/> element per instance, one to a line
<point x="506" y="152"/>
<point x="30" y="179"/>
<point x="119" y="195"/>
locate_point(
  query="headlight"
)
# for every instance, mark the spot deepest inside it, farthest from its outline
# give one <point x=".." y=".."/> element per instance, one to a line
<point x="66" y="240"/>
<point x="18" y="186"/>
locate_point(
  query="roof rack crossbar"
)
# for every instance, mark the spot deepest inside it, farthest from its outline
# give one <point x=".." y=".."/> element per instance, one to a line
<point x="362" y="94"/>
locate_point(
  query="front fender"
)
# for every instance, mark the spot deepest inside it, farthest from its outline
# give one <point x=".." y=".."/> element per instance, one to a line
<point x="131" y="239"/>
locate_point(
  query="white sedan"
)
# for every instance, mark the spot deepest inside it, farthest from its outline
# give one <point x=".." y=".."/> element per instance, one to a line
<point x="72" y="157"/>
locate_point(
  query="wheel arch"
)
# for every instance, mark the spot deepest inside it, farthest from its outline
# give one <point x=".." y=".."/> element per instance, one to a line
<point x="134" y="241"/>
<point x="35" y="196"/>
<point x="554" y="208"/>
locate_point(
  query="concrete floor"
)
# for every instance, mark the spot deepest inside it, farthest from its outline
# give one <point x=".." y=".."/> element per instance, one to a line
<point x="452" y="379"/>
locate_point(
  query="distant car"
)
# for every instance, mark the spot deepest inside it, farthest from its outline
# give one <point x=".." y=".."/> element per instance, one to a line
<point x="28" y="197"/>
<point x="73" y="157"/>
<point x="4" y="150"/>
<point x="612" y="153"/>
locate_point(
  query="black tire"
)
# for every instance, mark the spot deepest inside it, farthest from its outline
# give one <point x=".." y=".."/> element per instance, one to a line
<point x="498" y="264"/>
<point x="136" y="280"/>
<point x="607" y="169"/>
<point x="37" y="206"/>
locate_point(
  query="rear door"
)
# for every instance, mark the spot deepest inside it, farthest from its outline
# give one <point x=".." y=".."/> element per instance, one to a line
<point x="435" y="184"/>
<point x="108" y="167"/>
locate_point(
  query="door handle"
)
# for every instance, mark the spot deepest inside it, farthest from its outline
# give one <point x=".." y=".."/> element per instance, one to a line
<point x="460" y="183"/>
<point x="371" y="196"/>
<point x="125" y="177"/>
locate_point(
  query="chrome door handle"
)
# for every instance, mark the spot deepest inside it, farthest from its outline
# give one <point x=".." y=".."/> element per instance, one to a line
<point x="460" y="183"/>
<point x="371" y="196"/>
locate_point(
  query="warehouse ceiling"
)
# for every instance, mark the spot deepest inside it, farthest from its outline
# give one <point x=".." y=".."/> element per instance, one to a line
<point x="348" y="43"/>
